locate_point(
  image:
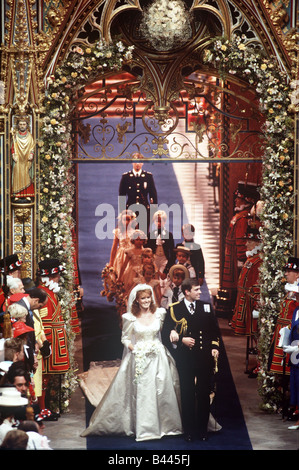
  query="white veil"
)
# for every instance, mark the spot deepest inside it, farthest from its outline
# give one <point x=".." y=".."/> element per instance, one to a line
<point x="134" y="291"/>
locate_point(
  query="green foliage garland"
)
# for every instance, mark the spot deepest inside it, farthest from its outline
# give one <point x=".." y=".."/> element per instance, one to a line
<point x="83" y="65"/>
<point x="234" y="57"/>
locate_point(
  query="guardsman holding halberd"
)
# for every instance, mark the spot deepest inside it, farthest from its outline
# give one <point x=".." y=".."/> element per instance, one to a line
<point x="192" y="336"/>
<point x="139" y="188"/>
<point x="54" y="327"/>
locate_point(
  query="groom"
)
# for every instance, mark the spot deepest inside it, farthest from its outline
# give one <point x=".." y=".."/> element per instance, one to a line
<point x="191" y="334"/>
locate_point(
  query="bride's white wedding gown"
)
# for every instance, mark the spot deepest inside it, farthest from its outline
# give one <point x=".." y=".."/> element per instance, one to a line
<point x="143" y="400"/>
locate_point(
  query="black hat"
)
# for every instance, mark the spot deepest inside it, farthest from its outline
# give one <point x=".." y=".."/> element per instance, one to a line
<point x="293" y="264"/>
<point x="247" y="191"/>
<point x="253" y="233"/>
<point x="49" y="267"/>
<point x="11" y="262"/>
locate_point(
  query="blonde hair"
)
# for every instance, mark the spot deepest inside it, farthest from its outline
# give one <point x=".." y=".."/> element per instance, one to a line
<point x="17" y="311"/>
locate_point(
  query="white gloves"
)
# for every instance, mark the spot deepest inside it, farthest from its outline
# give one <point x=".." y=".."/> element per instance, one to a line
<point x="291" y="349"/>
<point x="255" y="313"/>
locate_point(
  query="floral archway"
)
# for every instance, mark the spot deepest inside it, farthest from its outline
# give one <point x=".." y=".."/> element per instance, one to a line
<point x="57" y="184"/>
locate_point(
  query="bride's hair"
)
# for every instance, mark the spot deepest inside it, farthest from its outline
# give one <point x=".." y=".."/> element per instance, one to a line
<point x="135" y="309"/>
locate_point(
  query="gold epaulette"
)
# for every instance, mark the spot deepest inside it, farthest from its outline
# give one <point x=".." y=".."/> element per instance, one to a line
<point x="182" y="322"/>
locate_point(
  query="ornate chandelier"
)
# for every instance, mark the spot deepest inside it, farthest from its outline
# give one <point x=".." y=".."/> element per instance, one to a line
<point x="166" y="24"/>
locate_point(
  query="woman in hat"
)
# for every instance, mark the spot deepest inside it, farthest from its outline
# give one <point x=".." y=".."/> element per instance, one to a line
<point x="150" y="407"/>
<point x="10" y="403"/>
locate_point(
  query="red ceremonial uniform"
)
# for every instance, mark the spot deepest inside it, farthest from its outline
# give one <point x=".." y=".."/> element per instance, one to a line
<point x="235" y="249"/>
<point x="284" y="320"/>
<point x="247" y="297"/>
<point x="54" y="328"/>
<point x="2" y="298"/>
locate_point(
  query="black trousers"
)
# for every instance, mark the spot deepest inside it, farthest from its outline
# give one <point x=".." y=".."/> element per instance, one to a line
<point x="195" y="396"/>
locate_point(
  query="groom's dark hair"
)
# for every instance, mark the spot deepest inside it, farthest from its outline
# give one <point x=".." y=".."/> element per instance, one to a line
<point x="187" y="284"/>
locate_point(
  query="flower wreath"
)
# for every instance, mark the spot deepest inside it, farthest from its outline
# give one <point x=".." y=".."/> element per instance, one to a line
<point x="56" y="204"/>
<point x="275" y="92"/>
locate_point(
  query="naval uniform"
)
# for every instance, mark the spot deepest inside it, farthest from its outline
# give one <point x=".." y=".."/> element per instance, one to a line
<point x="138" y="190"/>
<point x="195" y="366"/>
<point x="294" y="360"/>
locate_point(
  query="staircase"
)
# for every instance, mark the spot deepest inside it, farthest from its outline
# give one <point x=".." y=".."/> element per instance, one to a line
<point x="199" y="199"/>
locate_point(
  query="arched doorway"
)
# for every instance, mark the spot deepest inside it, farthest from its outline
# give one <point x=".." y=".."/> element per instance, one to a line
<point x="157" y="79"/>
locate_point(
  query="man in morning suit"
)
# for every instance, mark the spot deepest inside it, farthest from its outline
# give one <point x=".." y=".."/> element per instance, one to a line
<point x="138" y="187"/>
<point x="191" y="334"/>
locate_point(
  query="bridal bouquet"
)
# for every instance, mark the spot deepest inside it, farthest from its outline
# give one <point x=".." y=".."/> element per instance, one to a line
<point x="142" y="351"/>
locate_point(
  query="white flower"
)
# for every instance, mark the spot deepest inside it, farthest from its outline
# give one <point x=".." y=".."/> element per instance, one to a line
<point x="142" y="351"/>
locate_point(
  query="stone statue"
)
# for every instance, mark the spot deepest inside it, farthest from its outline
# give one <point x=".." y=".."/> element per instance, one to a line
<point x="22" y="152"/>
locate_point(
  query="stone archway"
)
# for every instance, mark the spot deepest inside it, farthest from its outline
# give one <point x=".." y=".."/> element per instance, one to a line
<point x="56" y="167"/>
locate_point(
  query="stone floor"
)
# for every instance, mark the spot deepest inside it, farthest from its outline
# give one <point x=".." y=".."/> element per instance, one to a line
<point x="266" y="431"/>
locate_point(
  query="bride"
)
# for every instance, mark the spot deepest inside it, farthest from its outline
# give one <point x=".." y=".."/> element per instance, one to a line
<point x="143" y="400"/>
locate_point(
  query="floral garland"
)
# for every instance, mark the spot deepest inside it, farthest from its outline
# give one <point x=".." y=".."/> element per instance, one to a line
<point x="57" y="189"/>
<point x="274" y="92"/>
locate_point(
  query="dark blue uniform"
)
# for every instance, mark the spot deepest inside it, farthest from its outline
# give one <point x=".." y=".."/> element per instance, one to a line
<point x="294" y="360"/>
<point x="195" y="366"/>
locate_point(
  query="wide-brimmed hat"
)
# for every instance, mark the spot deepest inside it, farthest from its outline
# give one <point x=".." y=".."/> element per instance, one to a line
<point x="180" y="267"/>
<point x="11" y="397"/>
<point x="10" y="263"/>
<point x="49" y="267"/>
<point x="14" y="298"/>
<point x="20" y="328"/>
<point x="253" y="233"/>
<point x="292" y="264"/>
<point x="4" y="366"/>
